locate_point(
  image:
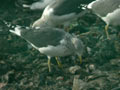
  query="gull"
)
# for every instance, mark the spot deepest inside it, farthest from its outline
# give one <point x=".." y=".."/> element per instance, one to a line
<point x="108" y="11"/>
<point x="40" y="5"/>
<point x="61" y="12"/>
<point x="52" y="42"/>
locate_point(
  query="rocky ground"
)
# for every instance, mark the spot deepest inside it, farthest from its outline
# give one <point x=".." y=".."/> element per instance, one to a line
<point x="22" y="68"/>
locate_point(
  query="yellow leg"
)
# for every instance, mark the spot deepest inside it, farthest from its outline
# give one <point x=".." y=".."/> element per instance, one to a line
<point x="49" y="67"/>
<point x="80" y="58"/>
<point x="106" y="30"/>
<point x="58" y="62"/>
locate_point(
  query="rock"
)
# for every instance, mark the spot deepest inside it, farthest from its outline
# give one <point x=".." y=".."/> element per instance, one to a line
<point x="2" y="85"/>
<point x="60" y="78"/>
<point x="78" y="84"/>
<point x="89" y="50"/>
<point x="74" y="69"/>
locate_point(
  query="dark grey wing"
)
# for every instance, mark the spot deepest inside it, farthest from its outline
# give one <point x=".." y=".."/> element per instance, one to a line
<point x="103" y="7"/>
<point x="62" y="7"/>
<point x="44" y="37"/>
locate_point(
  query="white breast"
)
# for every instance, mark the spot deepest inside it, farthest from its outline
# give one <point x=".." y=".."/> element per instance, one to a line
<point x="113" y="18"/>
<point x="52" y="51"/>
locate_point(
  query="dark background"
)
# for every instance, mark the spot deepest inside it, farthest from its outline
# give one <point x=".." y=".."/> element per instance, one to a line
<point x="22" y="68"/>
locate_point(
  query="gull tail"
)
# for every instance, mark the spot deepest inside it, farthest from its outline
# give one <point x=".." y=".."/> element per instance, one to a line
<point x="26" y="6"/>
<point x="16" y="31"/>
<point x="90" y="4"/>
